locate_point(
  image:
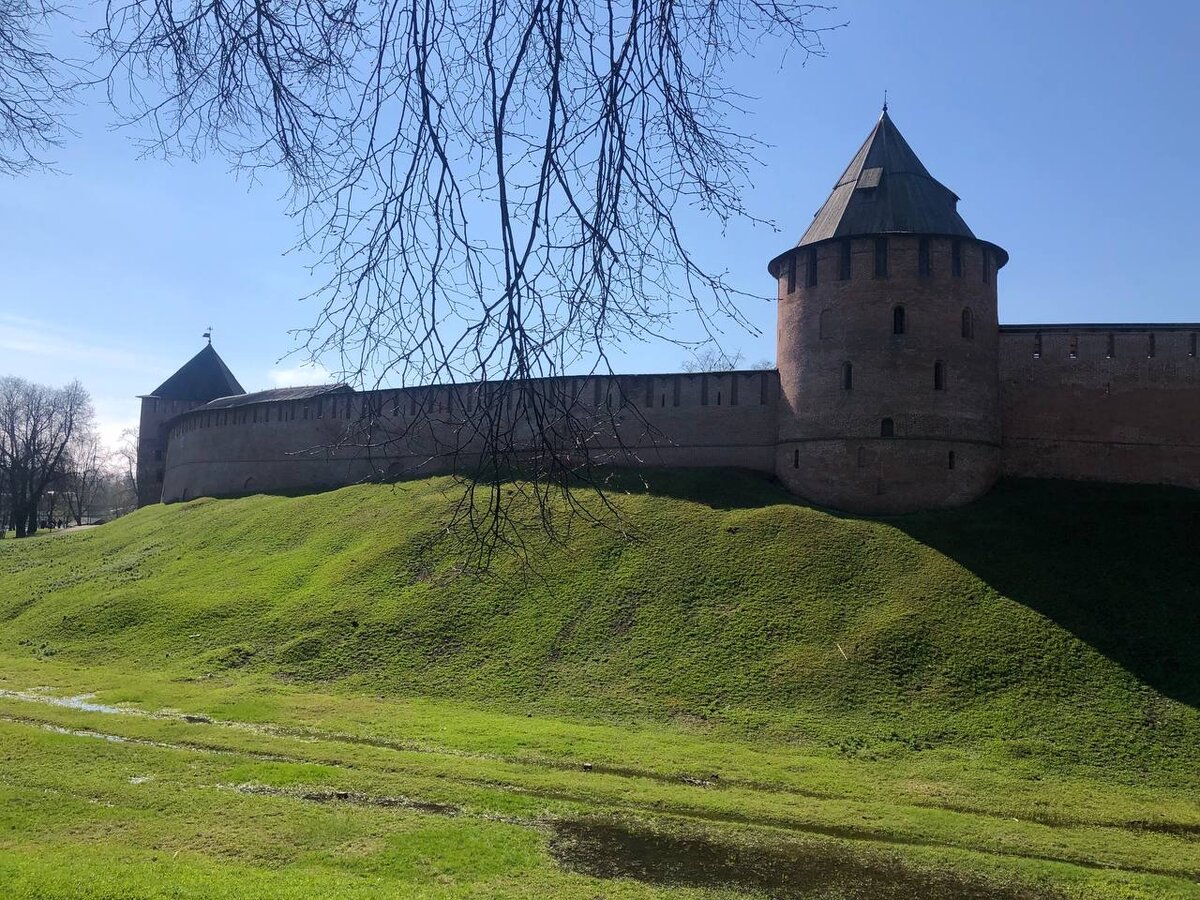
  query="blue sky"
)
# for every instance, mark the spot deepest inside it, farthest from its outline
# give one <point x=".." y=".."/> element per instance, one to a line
<point x="1068" y="129"/>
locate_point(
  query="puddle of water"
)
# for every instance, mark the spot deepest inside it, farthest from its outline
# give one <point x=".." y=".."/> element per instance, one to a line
<point x="609" y="850"/>
<point x="146" y="742"/>
<point x="82" y="702"/>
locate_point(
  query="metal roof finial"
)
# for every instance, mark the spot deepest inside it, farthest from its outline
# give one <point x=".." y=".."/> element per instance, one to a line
<point x="885" y="99"/>
<point x="208" y="334"/>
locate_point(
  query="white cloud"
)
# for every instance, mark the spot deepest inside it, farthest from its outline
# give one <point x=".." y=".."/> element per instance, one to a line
<point x="297" y="376"/>
<point x="19" y="334"/>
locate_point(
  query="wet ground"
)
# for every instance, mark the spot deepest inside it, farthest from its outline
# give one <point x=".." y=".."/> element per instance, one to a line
<point x="784" y="869"/>
<point x="766" y="862"/>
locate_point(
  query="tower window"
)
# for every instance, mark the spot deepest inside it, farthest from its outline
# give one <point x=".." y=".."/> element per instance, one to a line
<point x="887" y="428"/>
<point x="845" y="262"/>
<point x="939" y="376"/>
<point x="898" y="320"/>
<point x="968" y="324"/>
<point x="1150" y="348"/>
<point x="956" y="259"/>
<point x="950" y="460"/>
<point x="881" y="257"/>
<point x="1192" y="346"/>
<point x="923" y="256"/>
<point x="1073" y="347"/>
<point x="823" y="323"/>
<point x="847" y="376"/>
<point x="791" y="274"/>
<point x="986" y="266"/>
<point x="811" y="275"/>
<point x="795" y="459"/>
<point x="1037" y="346"/>
<point x="1111" y="351"/>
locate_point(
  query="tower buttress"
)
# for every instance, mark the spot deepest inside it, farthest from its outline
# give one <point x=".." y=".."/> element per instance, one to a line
<point x="888" y="343"/>
<point x="203" y="378"/>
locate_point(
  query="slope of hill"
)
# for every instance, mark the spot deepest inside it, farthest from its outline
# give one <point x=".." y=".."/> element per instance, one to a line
<point x="1050" y="620"/>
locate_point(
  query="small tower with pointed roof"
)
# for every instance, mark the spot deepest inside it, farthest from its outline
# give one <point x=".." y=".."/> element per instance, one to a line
<point x="888" y="342"/>
<point x="202" y="378"/>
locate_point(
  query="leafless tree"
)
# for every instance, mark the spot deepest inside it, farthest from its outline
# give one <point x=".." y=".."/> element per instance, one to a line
<point x="712" y="359"/>
<point x="126" y="457"/>
<point x="86" y="467"/>
<point x="493" y="187"/>
<point x="37" y="423"/>
<point x="116" y="495"/>
<point x="33" y="85"/>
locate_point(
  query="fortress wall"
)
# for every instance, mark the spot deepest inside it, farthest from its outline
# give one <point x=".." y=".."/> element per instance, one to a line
<point x="1108" y="403"/>
<point x="704" y="419"/>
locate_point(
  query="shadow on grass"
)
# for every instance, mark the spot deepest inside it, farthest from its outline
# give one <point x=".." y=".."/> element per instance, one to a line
<point x="715" y="488"/>
<point x="1116" y="565"/>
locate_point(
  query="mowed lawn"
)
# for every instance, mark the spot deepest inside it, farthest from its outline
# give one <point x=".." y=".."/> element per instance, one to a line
<point x="730" y="693"/>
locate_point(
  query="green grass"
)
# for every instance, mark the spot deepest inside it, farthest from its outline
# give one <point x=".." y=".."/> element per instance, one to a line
<point x="1000" y="699"/>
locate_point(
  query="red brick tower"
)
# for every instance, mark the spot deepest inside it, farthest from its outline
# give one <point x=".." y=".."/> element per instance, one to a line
<point x="888" y="343"/>
<point x="202" y="378"/>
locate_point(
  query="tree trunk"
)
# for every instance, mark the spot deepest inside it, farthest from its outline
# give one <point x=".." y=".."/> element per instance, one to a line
<point x="32" y="522"/>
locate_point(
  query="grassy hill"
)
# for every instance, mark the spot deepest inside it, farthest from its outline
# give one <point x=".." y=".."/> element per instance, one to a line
<point x="1050" y="619"/>
<point x="732" y="692"/>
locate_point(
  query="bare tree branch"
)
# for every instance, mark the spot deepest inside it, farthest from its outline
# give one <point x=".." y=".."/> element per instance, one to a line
<point x="492" y="187"/>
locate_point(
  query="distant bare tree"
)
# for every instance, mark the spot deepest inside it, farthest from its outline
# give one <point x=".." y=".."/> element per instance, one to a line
<point x="37" y="423"/>
<point x="127" y="456"/>
<point x="712" y="359"/>
<point x="116" y="495"/>
<point x="85" y="468"/>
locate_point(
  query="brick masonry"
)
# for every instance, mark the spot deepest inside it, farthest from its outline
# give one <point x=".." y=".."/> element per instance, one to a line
<point x="864" y="413"/>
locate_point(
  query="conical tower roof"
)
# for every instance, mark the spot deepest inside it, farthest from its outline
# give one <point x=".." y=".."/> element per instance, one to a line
<point x="886" y="190"/>
<point x="204" y="377"/>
